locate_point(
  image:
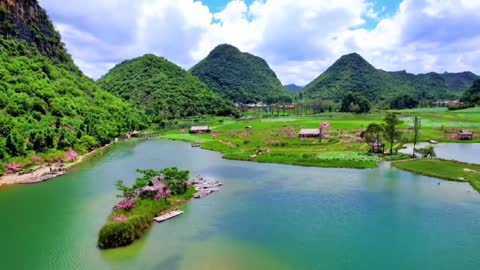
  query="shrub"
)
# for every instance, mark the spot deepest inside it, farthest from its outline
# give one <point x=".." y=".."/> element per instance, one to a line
<point x="398" y="156"/>
<point x="460" y="106"/>
<point x="333" y="140"/>
<point x="116" y="234"/>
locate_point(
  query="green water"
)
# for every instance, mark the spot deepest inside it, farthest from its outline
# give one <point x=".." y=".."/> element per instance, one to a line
<point x="267" y="217"/>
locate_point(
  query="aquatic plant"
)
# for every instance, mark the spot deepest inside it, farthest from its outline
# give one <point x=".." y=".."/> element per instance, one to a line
<point x="347" y="156"/>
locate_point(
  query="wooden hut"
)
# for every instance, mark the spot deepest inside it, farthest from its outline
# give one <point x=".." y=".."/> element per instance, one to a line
<point x="377" y="147"/>
<point x="309" y="132"/>
<point x="199" y="129"/>
<point x="157" y="183"/>
<point x="135" y="134"/>
<point x="465" y="135"/>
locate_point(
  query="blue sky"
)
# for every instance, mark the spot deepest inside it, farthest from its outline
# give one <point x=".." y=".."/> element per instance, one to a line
<point x="298" y="38"/>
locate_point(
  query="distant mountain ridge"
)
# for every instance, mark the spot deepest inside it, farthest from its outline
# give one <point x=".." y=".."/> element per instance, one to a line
<point x="241" y="77"/>
<point x="353" y="73"/>
<point x="293" y="88"/>
<point x="163" y="89"/>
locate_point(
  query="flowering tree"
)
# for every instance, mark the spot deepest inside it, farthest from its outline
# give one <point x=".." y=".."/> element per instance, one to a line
<point x="13" y="167"/>
<point x="323" y="125"/>
<point x="163" y="194"/>
<point x="71" y="155"/>
<point x="126" y="204"/>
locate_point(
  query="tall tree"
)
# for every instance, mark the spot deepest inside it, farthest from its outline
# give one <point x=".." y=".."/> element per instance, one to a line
<point x="373" y="133"/>
<point x="417" y="125"/>
<point x="391" y="131"/>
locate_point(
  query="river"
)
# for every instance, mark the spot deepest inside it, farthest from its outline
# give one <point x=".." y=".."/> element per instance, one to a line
<point x="464" y="152"/>
<point x="266" y="217"/>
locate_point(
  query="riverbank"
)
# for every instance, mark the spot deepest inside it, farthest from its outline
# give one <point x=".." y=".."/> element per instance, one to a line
<point x="45" y="172"/>
<point x="443" y="169"/>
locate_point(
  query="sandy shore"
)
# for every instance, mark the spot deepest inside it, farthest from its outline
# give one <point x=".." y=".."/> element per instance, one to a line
<point x="43" y="172"/>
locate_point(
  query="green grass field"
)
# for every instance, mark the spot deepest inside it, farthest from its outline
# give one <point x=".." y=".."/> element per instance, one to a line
<point x="444" y="169"/>
<point x="240" y="139"/>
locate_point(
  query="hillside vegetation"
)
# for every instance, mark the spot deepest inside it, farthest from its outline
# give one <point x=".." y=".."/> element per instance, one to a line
<point x="472" y="95"/>
<point x="44" y="106"/>
<point x="163" y="89"/>
<point x="241" y="77"/>
<point x="46" y="103"/>
<point x="352" y="73"/>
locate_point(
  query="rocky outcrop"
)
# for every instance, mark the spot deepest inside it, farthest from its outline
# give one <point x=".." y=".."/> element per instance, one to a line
<point x="26" y="20"/>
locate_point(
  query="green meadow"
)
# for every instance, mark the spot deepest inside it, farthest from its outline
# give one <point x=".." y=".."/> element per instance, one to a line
<point x="278" y="142"/>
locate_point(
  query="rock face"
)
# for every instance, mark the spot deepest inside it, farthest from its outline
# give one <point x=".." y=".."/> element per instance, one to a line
<point x="26" y="20"/>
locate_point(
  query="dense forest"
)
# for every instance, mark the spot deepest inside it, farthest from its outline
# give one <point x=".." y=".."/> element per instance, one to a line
<point x="45" y="106"/>
<point x="46" y="103"/>
<point x="293" y="88"/>
<point x="352" y="73"/>
<point x="472" y="95"/>
<point x="241" y="77"/>
<point x="163" y="89"/>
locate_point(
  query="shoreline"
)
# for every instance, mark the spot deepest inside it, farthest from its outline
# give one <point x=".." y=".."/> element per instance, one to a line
<point x="43" y="172"/>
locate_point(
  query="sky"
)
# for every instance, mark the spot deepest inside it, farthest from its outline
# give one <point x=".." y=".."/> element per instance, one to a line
<point x="298" y="38"/>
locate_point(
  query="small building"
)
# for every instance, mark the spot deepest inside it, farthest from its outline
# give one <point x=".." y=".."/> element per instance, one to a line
<point x="155" y="184"/>
<point x="309" y="132"/>
<point x="465" y="135"/>
<point x="199" y="129"/>
<point x="377" y="147"/>
<point x="135" y="134"/>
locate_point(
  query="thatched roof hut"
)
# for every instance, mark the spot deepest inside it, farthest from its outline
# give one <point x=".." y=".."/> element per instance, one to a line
<point x="309" y="132"/>
<point x="200" y="129"/>
<point x="465" y="135"/>
<point x="157" y="183"/>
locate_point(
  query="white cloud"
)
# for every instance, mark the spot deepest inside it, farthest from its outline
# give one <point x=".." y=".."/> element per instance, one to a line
<point x="299" y="38"/>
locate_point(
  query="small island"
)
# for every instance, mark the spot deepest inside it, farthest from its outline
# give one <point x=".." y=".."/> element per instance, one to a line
<point x="154" y="193"/>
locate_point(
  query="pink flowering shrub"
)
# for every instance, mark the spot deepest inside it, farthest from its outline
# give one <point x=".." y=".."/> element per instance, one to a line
<point x="36" y="159"/>
<point x="126" y="205"/>
<point x="453" y="136"/>
<point x="120" y="218"/>
<point x="163" y="194"/>
<point x="71" y="155"/>
<point x="324" y="125"/>
<point x="13" y="167"/>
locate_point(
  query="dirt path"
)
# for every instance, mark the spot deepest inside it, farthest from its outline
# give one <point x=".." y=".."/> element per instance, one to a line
<point x="43" y="172"/>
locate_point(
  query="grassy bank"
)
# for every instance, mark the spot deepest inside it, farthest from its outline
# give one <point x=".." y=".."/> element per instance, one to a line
<point x="444" y="169"/>
<point x="133" y="223"/>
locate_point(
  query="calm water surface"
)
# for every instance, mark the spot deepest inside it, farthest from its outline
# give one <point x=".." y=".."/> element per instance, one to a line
<point x="267" y="217"/>
<point x="465" y="152"/>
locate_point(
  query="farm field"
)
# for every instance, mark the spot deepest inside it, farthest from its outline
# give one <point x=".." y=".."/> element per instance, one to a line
<point x="277" y="139"/>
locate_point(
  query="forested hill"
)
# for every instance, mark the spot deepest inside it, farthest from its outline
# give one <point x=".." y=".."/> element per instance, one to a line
<point x="164" y="89"/>
<point x="241" y="77"/>
<point x="459" y="81"/>
<point x="293" y="88"/>
<point x="472" y="95"/>
<point x="353" y="73"/>
<point x="46" y="103"/>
